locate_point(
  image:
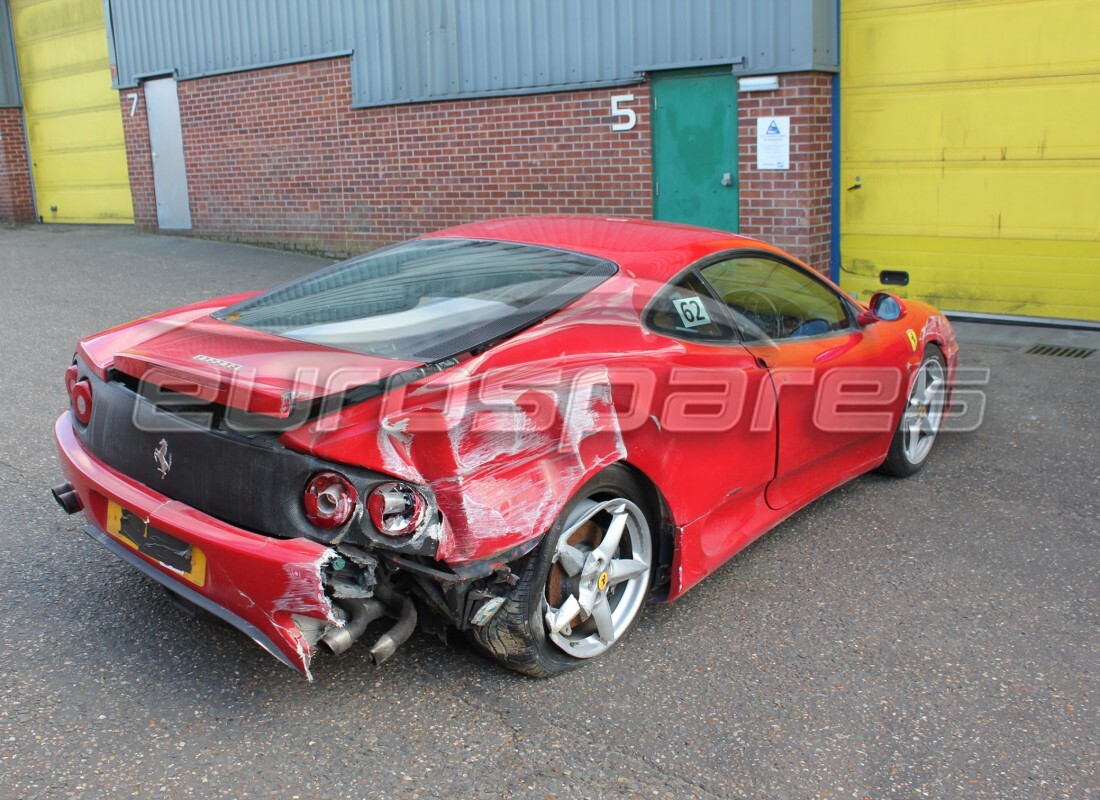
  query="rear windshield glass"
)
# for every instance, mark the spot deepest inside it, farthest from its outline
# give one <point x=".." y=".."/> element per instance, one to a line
<point x="424" y="300"/>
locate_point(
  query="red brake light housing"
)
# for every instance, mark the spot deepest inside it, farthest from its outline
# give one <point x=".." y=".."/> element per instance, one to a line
<point x="70" y="379"/>
<point x="396" y="509"/>
<point x="80" y="394"/>
<point x="329" y="500"/>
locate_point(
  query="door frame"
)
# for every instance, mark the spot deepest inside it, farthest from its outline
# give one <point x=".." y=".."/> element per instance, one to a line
<point x="178" y="219"/>
<point x="664" y="76"/>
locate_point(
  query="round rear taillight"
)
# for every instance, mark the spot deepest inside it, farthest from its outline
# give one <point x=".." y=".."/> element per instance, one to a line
<point x="71" y="375"/>
<point x="81" y="396"/>
<point x="329" y="499"/>
<point x="396" y="509"/>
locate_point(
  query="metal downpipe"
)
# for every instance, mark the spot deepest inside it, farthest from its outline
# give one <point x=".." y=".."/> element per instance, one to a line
<point x="389" y="641"/>
<point x="363" y="613"/>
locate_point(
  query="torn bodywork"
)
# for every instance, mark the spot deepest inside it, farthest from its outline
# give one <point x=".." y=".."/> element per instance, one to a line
<point x="288" y="595"/>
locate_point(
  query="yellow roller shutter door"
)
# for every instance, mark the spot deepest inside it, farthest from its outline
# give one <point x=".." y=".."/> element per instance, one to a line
<point x="972" y="131"/>
<point x="74" y="126"/>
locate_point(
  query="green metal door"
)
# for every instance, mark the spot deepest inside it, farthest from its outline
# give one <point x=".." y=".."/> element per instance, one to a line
<point x="695" y="147"/>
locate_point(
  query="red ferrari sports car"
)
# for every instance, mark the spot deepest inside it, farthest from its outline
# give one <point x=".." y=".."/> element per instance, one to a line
<point x="522" y="429"/>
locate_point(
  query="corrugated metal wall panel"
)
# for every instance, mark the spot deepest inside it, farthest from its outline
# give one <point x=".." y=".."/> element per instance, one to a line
<point x="826" y="33"/>
<point x="9" y="73"/>
<point x="422" y="50"/>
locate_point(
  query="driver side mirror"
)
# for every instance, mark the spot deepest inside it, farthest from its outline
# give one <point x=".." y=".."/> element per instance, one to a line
<point x="884" y="307"/>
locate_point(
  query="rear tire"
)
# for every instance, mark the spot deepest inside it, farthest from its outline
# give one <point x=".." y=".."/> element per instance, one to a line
<point x="921" y="418"/>
<point x="582" y="589"/>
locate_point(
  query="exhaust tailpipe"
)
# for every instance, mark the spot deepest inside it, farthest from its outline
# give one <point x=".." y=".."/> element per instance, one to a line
<point x="389" y="641"/>
<point x="363" y="613"/>
<point x="66" y="497"/>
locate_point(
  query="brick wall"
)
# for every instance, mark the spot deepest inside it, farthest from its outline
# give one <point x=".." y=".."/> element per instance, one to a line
<point x="16" y="198"/>
<point x="139" y="157"/>
<point x="790" y="208"/>
<point x="279" y="156"/>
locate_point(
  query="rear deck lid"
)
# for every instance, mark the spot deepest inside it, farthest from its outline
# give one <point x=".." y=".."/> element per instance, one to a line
<point x="250" y="370"/>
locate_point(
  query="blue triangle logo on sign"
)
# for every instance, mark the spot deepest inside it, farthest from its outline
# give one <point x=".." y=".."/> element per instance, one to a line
<point x="773" y="128"/>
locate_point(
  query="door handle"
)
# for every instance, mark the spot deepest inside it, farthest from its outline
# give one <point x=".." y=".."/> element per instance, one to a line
<point x="727" y="179"/>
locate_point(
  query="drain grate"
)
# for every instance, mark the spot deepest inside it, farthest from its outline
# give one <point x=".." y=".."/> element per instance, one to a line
<point x="1061" y="352"/>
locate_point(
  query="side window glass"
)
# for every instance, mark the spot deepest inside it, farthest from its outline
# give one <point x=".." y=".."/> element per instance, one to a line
<point x="772" y="300"/>
<point x="687" y="310"/>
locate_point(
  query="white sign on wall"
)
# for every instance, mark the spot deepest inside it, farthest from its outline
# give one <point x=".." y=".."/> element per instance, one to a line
<point x="773" y="143"/>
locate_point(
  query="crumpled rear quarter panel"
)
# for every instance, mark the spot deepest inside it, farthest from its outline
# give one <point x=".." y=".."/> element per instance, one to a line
<point x="501" y="466"/>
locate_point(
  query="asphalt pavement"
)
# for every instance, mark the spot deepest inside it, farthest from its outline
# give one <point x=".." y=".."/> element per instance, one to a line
<point x="930" y="637"/>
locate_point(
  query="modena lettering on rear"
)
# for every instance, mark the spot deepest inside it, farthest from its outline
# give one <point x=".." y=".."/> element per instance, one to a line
<point x="219" y="362"/>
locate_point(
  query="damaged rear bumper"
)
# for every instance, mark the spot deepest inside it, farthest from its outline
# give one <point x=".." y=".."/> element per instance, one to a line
<point x="271" y="589"/>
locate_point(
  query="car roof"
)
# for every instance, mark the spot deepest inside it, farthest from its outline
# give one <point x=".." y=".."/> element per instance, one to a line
<point x="646" y="249"/>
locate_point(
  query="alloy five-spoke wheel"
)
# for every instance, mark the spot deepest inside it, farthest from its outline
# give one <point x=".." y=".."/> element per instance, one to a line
<point x="581" y="591"/>
<point x="599" y="576"/>
<point x="924" y="411"/>
<point x="922" y="417"/>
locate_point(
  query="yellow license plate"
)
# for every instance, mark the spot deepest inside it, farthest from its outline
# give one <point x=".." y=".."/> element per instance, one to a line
<point x="176" y="554"/>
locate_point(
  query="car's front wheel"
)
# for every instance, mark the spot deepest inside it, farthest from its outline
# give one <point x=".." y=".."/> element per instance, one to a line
<point x="921" y="419"/>
<point x="582" y="590"/>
